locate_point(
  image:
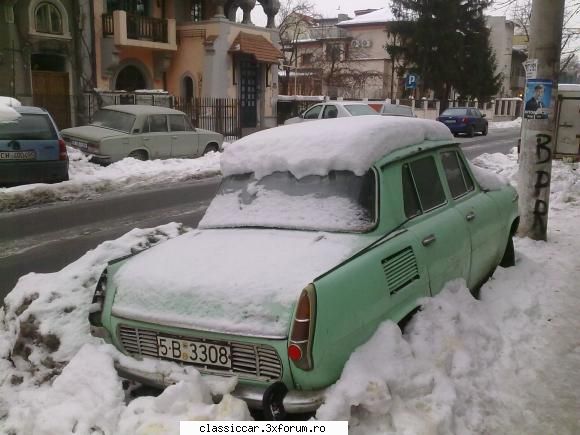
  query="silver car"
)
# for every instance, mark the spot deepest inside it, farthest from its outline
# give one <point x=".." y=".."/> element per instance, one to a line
<point x="141" y="132"/>
<point x="333" y="109"/>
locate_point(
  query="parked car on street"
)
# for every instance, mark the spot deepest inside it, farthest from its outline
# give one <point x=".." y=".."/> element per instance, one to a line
<point x="142" y="132"/>
<point x="31" y="149"/>
<point x="397" y="110"/>
<point x="318" y="233"/>
<point x="333" y="109"/>
<point x="468" y="120"/>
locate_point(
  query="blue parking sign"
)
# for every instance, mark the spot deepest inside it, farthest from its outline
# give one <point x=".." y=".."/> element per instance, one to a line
<point x="411" y="81"/>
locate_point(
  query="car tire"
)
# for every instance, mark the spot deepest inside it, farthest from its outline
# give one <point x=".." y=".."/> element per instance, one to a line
<point x="211" y="147"/>
<point x="139" y="155"/>
<point x="509" y="255"/>
<point x="470" y="131"/>
<point x="484" y="132"/>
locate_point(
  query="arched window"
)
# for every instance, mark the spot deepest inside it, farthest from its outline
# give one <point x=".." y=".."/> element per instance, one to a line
<point x="188" y="91"/>
<point x="197" y="10"/>
<point x="47" y="19"/>
<point x="129" y="79"/>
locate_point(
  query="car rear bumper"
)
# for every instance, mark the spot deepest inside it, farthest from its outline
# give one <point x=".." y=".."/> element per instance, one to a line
<point x="295" y="402"/>
<point x="33" y="171"/>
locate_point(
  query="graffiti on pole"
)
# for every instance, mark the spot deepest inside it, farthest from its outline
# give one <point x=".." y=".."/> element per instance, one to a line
<point x="543" y="178"/>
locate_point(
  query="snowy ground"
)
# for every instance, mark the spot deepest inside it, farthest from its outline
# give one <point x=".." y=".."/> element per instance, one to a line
<point x="506" y="124"/>
<point x="506" y="364"/>
<point x="88" y="179"/>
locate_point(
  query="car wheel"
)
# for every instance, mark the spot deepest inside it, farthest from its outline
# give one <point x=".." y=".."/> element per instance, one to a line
<point x="139" y="155"/>
<point x="212" y="147"/>
<point x="470" y="131"/>
<point x="484" y="132"/>
<point x="509" y="255"/>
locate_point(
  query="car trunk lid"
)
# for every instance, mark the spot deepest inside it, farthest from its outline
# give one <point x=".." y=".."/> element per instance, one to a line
<point x="30" y="138"/>
<point x="88" y="137"/>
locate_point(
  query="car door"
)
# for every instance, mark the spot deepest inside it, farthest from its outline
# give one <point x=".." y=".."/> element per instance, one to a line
<point x="184" y="141"/>
<point x="313" y="113"/>
<point x="441" y="233"/>
<point x="478" y="211"/>
<point x="475" y="118"/>
<point x="330" y="111"/>
<point x="157" y="140"/>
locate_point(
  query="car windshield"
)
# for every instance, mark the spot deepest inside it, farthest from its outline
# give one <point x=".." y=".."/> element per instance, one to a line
<point x="28" y="127"/>
<point x="454" y="112"/>
<point x="114" y="119"/>
<point x="397" y="110"/>
<point x="340" y="201"/>
<point x="359" y="109"/>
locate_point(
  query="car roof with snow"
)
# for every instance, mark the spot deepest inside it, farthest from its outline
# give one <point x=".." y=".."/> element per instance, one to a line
<point x="143" y="109"/>
<point x="30" y="110"/>
<point x="318" y="147"/>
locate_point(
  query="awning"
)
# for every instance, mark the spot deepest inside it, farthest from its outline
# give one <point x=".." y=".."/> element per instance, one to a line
<point x="256" y="45"/>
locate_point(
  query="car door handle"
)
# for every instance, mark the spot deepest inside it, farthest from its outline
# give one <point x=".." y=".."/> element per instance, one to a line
<point x="428" y="240"/>
<point x="470" y="216"/>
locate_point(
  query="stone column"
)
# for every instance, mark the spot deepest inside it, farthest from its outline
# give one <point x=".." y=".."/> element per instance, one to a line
<point x="247" y="6"/>
<point x="219" y="8"/>
<point x="271" y="8"/>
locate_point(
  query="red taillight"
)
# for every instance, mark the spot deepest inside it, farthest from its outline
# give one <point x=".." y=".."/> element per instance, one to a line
<point x="464" y="121"/>
<point x="300" y="347"/>
<point x="62" y="154"/>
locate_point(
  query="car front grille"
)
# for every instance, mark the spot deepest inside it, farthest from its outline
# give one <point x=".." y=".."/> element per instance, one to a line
<point x="248" y="360"/>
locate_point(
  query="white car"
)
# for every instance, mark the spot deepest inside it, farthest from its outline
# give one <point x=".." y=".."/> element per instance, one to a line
<point x="333" y="109"/>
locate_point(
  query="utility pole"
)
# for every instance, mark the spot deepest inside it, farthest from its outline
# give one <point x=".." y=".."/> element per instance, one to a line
<point x="539" y="123"/>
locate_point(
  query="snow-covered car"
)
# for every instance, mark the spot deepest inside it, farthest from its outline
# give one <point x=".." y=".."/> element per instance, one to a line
<point x="31" y="148"/>
<point x="142" y="132"/>
<point x="333" y="109"/>
<point x="318" y="233"/>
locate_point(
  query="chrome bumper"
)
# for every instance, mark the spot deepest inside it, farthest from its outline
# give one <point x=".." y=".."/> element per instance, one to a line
<point x="295" y="402"/>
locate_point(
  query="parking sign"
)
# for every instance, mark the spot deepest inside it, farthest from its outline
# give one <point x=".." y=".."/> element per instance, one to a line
<point x="411" y="81"/>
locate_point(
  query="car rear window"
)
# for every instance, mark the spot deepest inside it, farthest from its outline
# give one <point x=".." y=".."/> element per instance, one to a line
<point x="454" y="112"/>
<point x="114" y="119"/>
<point x="397" y="110"/>
<point x="28" y="127"/>
<point x="359" y="109"/>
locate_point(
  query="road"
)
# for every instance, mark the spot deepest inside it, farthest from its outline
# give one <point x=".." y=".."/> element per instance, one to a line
<point x="47" y="238"/>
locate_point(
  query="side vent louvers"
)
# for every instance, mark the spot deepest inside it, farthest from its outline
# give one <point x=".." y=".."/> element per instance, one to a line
<point x="400" y="269"/>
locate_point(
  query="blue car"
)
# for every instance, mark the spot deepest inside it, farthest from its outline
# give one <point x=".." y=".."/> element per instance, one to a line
<point x="31" y="149"/>
<point x="468" y="120"/>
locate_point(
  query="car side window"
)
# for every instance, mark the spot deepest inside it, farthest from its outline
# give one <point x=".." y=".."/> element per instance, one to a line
<point x="177" y="123"/>
<point x="457" y="177"/>
<point x="426" y="186"/>
<point x="157" y="123"/>
<point x="330" y="111"/>
<point x="313" y="113"/>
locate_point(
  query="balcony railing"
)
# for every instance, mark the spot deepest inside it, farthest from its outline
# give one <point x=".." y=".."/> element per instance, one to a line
<point x="139" y="27"/>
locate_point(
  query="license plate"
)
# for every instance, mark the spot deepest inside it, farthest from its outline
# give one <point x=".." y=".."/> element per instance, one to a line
<point x="17" y="155"/>
<point x="449" y="121"/>
<point x="78" y="144"/>
<point x="195" y="352"/>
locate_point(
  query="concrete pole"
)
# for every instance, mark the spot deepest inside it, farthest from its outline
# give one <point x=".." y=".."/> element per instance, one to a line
<point x="538" y="129"/>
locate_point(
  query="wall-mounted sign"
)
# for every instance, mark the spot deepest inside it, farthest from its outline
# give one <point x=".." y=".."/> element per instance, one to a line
<point x="361" y="43"/>
<point x="531" y="67"/>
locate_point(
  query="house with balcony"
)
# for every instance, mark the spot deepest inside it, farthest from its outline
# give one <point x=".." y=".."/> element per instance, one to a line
<point x="191" y="49"/>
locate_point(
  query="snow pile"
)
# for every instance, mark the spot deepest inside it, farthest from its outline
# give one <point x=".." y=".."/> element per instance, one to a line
<point x="88" y="179"/>
<point x="8" y="114"/>
<point x="380" y="16"/>
<point x="318" y="147"/>
<point x="516" y="123"/>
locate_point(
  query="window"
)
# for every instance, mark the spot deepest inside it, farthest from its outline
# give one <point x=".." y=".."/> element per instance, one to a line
<point x="360" y="109"/>
<point x="422" y="189"/>
<point x="114" y="119"/>
<point x="157" y="123"/>
<point x="307" y="59"/>
<point x="28" y="127"/>
<point x="177" y="123"/>
<point x="330" y="111"/>
<point x="197" y="10"/>
<point x="313" y="113"/>
<point x="458" y="178"/>
<point x="47" y="19"/>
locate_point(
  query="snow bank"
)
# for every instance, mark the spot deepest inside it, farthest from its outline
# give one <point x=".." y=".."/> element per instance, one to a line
<point x="88" y="179"/>
<point x="516" y="123"/>
<point x="8" y="114"/>
<point x="318" y="147"/>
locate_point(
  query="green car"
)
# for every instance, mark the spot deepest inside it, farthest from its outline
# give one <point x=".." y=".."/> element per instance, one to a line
<point x="142" y="132"/>
<point x="319" y="232"/>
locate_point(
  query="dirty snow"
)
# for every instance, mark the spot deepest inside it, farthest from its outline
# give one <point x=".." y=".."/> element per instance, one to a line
<point x="318" y="147"/>
<point x="88" y="180"/>
<point x="516" y="123"/>
<point x="505" y="364"/>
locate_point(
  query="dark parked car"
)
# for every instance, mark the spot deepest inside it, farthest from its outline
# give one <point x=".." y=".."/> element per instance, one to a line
<point x="468" y="120"/>
<point x="31" y="149"/>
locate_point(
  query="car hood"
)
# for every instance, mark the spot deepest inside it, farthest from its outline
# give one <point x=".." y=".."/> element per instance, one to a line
<point x="236" y="281"/>
<point x="90" y="133"/>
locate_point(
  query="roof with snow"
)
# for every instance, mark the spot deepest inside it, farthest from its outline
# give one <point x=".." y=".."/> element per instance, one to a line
<point x="380" y="16"/>
<point x="318" y="147"/>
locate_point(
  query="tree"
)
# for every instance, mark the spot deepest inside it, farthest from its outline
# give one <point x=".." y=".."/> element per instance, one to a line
<point x="446" y="43"/>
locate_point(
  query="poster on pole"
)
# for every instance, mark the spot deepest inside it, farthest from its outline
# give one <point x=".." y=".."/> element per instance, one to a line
<point x="531" y="68"/>
<point x="538" y="99"/>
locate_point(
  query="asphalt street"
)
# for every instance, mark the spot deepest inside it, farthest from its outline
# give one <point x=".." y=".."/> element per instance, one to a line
<point x="45" y="239"/>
